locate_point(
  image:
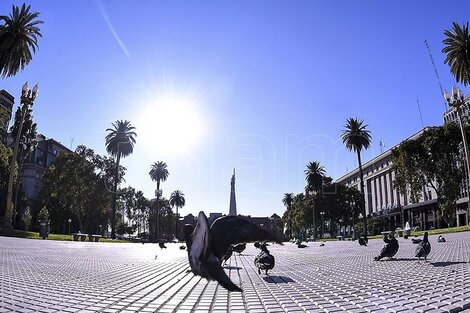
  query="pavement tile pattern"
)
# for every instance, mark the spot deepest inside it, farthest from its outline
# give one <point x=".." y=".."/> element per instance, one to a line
<point x="52" y="276"/>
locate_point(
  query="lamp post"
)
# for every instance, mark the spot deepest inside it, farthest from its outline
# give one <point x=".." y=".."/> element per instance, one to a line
<point x="158" y="194"/>
<point x="70" y="221"/>
<point x="457" y="100"/>
<point x="322" y="223"/>
<point x="313" y="193"/>
<point x="27" y="100"/>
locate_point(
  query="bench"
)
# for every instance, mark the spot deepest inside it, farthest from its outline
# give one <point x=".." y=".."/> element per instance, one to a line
<point x="340" y="238"/>
<point x="94" y="238"/>
<point x="82" y="237"/>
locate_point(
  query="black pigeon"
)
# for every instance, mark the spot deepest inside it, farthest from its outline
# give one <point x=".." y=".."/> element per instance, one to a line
<point x="182" y="247"/>
<point x="405" y="236"/>
<point x="322" y="244"/>
<point x="424" y="248"/>
<point x="257" y="244"/>
<point x="363" y="240"/>
<point x="264" y="261"/>
<point x="416" y="240"/>
<point x="301" y="245"/>
<point x="207" y="245"/>
<point x="390" y="248"/>
<point x="239" y="247"/>
<point x="441" y="239"/>
<point x="161" y="244"/>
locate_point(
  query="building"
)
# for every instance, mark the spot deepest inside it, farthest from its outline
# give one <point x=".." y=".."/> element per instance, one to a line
<point x="33" y="168"/>
<point x="6" y="107"/>
<point x="383" y="199"/>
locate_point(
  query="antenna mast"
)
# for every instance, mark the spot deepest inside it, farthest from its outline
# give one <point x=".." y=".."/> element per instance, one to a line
<point x="437" y="75"/>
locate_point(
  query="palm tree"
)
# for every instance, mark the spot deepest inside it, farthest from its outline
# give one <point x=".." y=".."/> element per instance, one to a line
<point x="457" y="47"/>
<point x="314" y="176"/>
<point x="287" y="201"/>
<point x="356" y="137"/>
<point x="18" y="36"/>
<point x="177" y="200"/>
<point x="119" y="143"/>
<point x="158" y="172"/>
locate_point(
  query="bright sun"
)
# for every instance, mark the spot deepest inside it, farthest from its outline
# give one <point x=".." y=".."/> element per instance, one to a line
<point x="169" y="126"/>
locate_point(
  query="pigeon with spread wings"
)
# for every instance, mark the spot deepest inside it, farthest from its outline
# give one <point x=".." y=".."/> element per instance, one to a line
<point x="207" y="245"/>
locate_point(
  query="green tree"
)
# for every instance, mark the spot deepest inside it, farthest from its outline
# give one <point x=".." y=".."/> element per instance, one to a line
<point x="287" y="217"/>
<point x="356" y="137"/>
<point x="427" y="161"/>
<point x="457" y="48"/>
<point x="177" y="200"/>
<point x="74" y="186"/>
<point x="159" y="173"/>
<point x="43" y="214"/>
<point x="119" y="143"/>
<point x="314" y="176"/>
<point x="5" y="159"/>
<point x="27" y="218"/>
<point x="18" y="38"/>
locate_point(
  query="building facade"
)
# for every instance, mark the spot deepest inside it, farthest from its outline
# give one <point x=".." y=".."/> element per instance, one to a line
<point x="382" y="198"/>
<point x="6" y="107"/>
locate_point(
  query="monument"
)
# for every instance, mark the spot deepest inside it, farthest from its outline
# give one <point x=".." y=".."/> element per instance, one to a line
<point x="233" y="202"/>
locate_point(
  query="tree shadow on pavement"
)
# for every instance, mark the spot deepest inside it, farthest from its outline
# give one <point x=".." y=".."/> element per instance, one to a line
<point x="278" y="279"/>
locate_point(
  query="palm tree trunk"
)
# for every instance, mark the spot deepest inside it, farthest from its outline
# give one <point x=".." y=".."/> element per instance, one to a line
<point x="363" y="199"/>
<point x="113" y="209"/>
<point x="158" y="211"/>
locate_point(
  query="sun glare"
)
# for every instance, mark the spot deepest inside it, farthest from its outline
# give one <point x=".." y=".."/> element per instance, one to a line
<point x="169" y="126"/>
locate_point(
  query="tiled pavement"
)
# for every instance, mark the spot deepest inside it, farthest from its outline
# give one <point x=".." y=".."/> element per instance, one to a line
<point x="52" y="276"/>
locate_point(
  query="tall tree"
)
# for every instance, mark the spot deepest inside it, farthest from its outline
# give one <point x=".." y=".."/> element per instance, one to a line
<point x="177" y="200"/>
<point x="287" y="201"/>
<point x="119" y="143"/>
<point x="314" y="176"/>
<point x="356" y="137"/>
<point x="457" y="48"/>
<point x="159" y="173"/>
<point x="18" y="37"/>
<point x="426" y="161"/>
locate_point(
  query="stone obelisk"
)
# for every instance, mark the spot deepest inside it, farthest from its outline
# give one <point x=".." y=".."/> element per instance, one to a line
<point x="233" y="202"/>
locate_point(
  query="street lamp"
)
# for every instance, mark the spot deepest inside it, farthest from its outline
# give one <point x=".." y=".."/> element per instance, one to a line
<point x="457" y="100"/>
<point x="27" y="100"/>
<point x="322" y="223"/>
<point x="313" y="194"/>
<point x="70" y="221"/>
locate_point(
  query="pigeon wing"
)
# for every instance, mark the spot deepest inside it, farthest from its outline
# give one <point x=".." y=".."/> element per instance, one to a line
<point x="230" y="230"/>
<point x="201" y="241"/>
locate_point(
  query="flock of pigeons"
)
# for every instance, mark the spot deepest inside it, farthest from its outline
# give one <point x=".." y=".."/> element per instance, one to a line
<point x="391" y="246"/>
<point x="209" y="247"/>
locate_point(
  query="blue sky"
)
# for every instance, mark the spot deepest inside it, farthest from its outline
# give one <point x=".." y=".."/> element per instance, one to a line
<point x="260" y="86"/>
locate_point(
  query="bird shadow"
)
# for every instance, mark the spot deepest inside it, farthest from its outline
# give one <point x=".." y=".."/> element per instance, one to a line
<point x="278" y="279"/>
<point x="228" y="267"/>
<point x="442" y="264"/>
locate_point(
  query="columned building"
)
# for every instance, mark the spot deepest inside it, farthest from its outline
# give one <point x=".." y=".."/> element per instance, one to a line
<point x="383" y="199"/>
<point x="6" y="107"/>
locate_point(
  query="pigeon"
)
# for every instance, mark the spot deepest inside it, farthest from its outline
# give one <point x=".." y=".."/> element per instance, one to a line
<point x="264" y="261"/>
<point x="390" y="248"/>
<point x="182" y="247"/>
<point x="257" y="244"/>
<point x="161" y="244"/>
<point x="301" y="245"/>
<point x="363" y="240"/>
<point x="416" y="240"/>
<point x="405" y="236"/>
<point x="441" y="239"/>
<point x="424" y="247"/>
<point x="322" y="244"/>
<point x="239" y="247"/>
<point x="206" y="245"/>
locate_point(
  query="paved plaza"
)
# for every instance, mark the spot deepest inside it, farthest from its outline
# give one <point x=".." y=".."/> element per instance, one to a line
<point x="54" y="276"/>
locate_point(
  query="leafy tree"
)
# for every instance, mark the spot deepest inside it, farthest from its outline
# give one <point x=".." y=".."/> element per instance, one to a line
<point x="287" y="217"/>
<point x="74" y="186"/>
<point x="18" y="36"/>
<point x="356" y="137"/>
<point x="119" y="143"/>
<point x="177" y="200"/>
<point x="43" y="214"/>
<point x="27" y="218"/>
<point x="158" y="172"/>
<point x="5" y="159"/>
<point x="433" y="160"/>
<point x="457" y="48"/>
